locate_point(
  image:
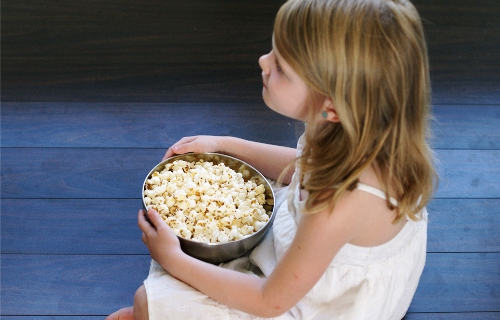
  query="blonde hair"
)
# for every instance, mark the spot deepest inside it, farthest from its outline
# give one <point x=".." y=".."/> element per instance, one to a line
<point x="370" y="58"/>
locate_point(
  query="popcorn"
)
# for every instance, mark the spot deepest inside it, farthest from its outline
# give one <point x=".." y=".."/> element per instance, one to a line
<point x="207" y="202"/>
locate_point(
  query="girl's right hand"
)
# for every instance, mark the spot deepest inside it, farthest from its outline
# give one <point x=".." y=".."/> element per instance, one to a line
<point x="163" y="244"/>
<point x="197" y="144"/>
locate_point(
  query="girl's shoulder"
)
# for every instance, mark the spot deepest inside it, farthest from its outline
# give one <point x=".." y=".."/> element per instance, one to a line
<point x="375" y="220"/>
<point x="372" y="221"/>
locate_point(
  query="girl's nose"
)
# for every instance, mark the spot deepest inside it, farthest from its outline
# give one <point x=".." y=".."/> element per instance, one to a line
<point x="264" y="63"/>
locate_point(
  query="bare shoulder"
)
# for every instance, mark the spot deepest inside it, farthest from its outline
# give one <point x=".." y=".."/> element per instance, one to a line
<point x="371" y="220"/>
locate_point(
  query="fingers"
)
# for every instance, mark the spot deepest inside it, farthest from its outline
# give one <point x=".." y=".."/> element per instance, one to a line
<point x="180" y="147"/>
<point x="156" y="219"/>
<point x="143" y="223"/>
<point x="149" y="229"/>
<point x="198" y="144"/>
<point x="170" y="152"/>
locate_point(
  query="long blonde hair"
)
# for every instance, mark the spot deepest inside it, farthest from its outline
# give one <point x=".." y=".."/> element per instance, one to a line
<point x="370" y="58"/>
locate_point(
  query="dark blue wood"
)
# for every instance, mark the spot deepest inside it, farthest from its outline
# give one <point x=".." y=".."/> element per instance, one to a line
<point x="79" y="284"/>
<point x="139" y="125"/>
<point x="206" y="51"/>
<point x="159" y="125"/>
<point x="70" y="284"/>
<point x="52" y="317"/>
<point x="109" y="226"/>
<point x="459" y="282"/>
<point x="186" y="51"/>
<point x="76" y="172"/>
<point x="465" y="92"/>
<point x="463" y="225"/>
<point x="139" y="77"/>
<point x="119" y="173"/>
<point x="468" y="173"/>
<point x="454" y="316"/>
<point x="463" y="127"/>
<point x="409" y="316"/>
<point x="71" y="226"/>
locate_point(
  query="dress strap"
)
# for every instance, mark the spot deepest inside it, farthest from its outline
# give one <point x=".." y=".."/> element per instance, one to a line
<point x="376" y="192"/>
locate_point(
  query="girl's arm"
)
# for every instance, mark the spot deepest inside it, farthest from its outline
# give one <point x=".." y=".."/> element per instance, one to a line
<point x="318" y="239"/>
<point x="269" y="159"/>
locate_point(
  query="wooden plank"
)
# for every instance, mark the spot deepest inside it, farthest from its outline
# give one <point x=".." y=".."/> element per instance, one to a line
<point x="468" y="173"/>
<point x="109" y="226"/>
<point x="459" y="282"/>
<point x="124" y="124"/>
<point x="69" y="226"/>
<point x="70" y="284"/>
<point x="95" y="285"/>
<point x="409" y="316"/>
<point x="139" y="125"/>
<point x="119" y="173"/>
<point x="463" y="225"/>
<point x="76" y="172"/>
<point x="453" y="316"/>
<point x="52" y="317"/>
<point x="92" y="53"/>
<point x="465" y="92"/>
<point x="115" y="50"/>
<point x="71" y="263"/>
<point x="466" y="127"/>
<point x="459" y="33"/>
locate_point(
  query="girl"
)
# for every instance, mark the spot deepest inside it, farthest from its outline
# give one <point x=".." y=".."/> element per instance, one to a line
<point x="349" y="238"/>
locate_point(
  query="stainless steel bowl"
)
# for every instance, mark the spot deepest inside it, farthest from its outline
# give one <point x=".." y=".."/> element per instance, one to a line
<point x="221" y="252"/>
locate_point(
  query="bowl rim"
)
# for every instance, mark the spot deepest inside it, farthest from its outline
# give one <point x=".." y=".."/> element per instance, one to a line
<point x="264" y="228"/>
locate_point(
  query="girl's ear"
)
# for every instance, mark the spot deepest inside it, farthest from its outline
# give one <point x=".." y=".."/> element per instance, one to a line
<point x="329" y="112"/>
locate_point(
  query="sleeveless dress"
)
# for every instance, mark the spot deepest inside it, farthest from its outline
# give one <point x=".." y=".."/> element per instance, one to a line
<point x="360" y="282"/>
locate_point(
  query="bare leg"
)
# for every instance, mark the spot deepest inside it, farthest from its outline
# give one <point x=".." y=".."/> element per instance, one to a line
<point x="122" y="314"/>
<point x="138" y="312"/>
<point x="141" y="304"/>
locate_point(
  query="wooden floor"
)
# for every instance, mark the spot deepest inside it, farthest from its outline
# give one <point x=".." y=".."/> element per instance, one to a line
<point x="94" y="92"/>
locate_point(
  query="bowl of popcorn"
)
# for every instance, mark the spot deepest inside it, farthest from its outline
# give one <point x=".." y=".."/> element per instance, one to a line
<point x="219" y="207"/>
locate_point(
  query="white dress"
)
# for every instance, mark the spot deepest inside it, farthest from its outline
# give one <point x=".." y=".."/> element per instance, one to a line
<point x="360" y="282"/>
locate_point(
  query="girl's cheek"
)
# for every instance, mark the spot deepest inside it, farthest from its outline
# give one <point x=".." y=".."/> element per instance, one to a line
<point x="273" y="81"/>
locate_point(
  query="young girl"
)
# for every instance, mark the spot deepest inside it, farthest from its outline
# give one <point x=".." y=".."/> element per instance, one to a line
<point x="349" y="238"/>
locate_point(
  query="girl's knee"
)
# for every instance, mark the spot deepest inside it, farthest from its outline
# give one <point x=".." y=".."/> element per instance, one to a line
<point x="141" y="304"/>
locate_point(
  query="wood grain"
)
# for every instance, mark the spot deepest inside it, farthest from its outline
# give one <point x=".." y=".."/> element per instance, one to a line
<point x="140" y="125"/>
<point x="109" y="226"/>
<point x="112" y="50"/>
<point x="71" y="227"/>
<point x="453" y="316"/>
<point x="466" y="127"/>
<point x="119" y="173"/>
<point x="159" y="125"/>
<point x="205" y="51"/>
<point x="457" y="282"/>
<point x="70" y="284"/>
<point x="80" y="285"/>
<point x="94" y="92"/>
<point x="463" y="225"/>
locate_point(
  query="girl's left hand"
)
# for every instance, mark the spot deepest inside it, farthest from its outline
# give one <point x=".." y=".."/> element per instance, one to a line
<point x="160" y="239"/>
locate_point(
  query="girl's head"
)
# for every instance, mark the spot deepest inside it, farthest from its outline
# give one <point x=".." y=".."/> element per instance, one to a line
<point x="368" y="58"/>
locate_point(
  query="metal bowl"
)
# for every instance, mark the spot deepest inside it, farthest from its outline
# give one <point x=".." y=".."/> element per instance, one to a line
<point x="217" y="253"/>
